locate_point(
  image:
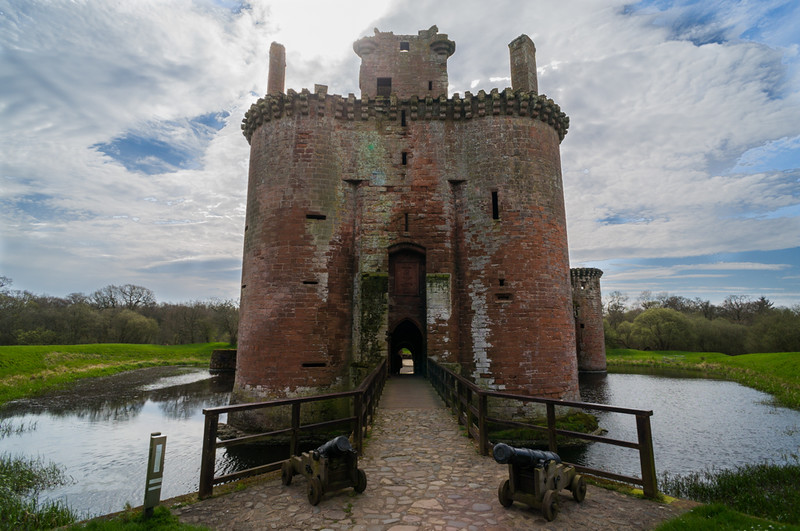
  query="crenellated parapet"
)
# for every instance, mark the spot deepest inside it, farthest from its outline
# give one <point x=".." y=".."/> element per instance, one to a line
<point x="585" y="274"/>
<point x="587" y="305"/>
<point x="318" y="103"/>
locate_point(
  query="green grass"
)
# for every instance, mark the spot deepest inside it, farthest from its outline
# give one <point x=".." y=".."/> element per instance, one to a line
<point x="134" y="520"/>
<point x="760" y="490"/>
<point x="720" y="518"/>
<point x="28" y="370"/>
<point x="20" y="481"/>
<point x="775" y="373"/>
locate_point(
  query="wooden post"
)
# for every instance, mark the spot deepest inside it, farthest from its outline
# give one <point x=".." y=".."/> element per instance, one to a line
<point x="468" y="397"/>
<point x="359" y="427"/>
<point x="551" y="428"/>
<point x="483" y="442"/>
<point x="208" y="456"/>
<point x="459" y="403"/>
<point x="646" y="457"/>
<point x="293" y="449"/>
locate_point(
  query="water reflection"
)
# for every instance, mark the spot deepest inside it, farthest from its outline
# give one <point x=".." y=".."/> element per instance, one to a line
<point x="98" y="430"/>
<point x="697" y="424"/>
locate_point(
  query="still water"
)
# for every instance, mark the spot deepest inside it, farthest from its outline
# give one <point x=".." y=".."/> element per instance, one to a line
<point x="697" y="424"/>
<point x="99" y="433"/>
<point x="99" y="430"/>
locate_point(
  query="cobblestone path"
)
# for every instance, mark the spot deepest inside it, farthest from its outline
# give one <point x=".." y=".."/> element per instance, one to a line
<point x="422" y="473"/>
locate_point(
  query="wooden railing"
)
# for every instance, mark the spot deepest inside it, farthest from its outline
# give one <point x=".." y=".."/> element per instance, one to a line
<point x="469" y="403"/>
<point x="364" y="400"/>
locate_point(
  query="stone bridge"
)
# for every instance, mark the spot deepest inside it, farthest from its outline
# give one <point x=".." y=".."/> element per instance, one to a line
<point x="422" y="473"/>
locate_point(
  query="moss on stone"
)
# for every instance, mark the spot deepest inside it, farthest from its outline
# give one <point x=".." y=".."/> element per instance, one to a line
<point x="374" y="305"/>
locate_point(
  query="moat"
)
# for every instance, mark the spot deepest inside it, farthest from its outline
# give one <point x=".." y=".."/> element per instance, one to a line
<point x="99" y="430"/>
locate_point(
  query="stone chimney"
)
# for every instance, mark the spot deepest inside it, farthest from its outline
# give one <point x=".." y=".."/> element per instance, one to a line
<point x="523" y="65"/>
<point x="277" y="69"/>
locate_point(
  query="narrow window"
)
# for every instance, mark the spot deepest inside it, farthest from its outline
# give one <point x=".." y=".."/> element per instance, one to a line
<point x="406" y="222"/>
<point x="403" y="118"/>
<point x="403" y="46"/>
<point x="502" y="282"/>
<point x="315" y="216"/>
<point x="405" y="158"/>
<point x="430" y="85"/>
<point x="495" y="206"/>
<point x="384" y="86"/>
<point x="314" y="364"/>
<point x="310" y="282"/>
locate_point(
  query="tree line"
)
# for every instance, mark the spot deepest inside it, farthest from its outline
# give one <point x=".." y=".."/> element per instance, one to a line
<point x="130" y="314"/>
<point x="740" y="325"/>
<point x="113" y="314"/>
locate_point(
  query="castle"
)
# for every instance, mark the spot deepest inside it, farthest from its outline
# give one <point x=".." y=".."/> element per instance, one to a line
<point x="409" y="220"/>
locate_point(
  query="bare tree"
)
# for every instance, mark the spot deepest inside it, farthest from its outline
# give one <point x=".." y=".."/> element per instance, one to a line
<point x="105" y="298"/>
<point x="135" y="297"/>
<point x="226" y="317"/>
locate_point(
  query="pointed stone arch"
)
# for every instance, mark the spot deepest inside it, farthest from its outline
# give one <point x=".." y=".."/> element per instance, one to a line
<point x="407" y="335"/>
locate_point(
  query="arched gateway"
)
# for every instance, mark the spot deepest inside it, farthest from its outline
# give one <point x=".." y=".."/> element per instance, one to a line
<point x="406" y="219"/>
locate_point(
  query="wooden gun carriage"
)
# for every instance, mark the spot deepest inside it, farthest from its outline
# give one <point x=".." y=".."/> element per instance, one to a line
<point x="535" y="478"/>
<point x="331" y="467"/>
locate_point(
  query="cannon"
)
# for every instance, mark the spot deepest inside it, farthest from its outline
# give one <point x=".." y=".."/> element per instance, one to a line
<point x="331" y="467"/>
<point x="535" y="477"/>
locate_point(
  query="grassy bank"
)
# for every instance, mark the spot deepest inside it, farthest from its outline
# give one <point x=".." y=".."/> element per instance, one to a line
<point x="21" y="479"/>
<point x="775" y="373"/>
<point x="759" y="496"/>
<point x="31" y="370"/>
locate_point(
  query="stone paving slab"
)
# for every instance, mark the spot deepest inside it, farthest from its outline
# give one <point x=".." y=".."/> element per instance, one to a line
<point x="423" y="473"/>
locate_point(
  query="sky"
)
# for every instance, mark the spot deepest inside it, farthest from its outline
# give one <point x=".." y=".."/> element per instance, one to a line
<point x="122" y="159"/>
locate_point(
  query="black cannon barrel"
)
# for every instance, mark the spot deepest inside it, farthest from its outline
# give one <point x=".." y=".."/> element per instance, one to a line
<point x="335" y="447"/>
<point x="504" y="454"/>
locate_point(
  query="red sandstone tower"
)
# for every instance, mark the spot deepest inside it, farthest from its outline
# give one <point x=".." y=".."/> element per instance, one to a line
<point x="589" y="336"/>
<point x="406" y="219"/>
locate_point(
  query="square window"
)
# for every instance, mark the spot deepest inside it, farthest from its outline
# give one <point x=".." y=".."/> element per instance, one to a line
<point x="384" y="86"/>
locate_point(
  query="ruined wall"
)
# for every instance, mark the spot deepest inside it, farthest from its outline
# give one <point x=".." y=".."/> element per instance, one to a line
<point x="405" y="65"/>
<point x="588" y="307"/>
<point x="297" y="271"/>
<point x="469" y="188"/>
<point x="335" y="182"/>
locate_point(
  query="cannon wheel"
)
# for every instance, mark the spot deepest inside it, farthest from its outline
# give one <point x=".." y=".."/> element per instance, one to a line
<point x="504" y="494"/>
<point x="286" y="473"/>
<point x="550" y="505"/>
<point x="362" y="482"/>
<point x="578" y="488"/>
<point x="314" y="490"/>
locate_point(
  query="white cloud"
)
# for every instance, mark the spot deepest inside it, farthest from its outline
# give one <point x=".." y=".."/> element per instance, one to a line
<point x="675" y="149"/>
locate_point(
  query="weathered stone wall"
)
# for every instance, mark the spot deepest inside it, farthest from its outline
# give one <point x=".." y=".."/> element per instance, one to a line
<point x="414" y="65"/>
<point x="588" y="305"/>
<point x="335" y="182"/>
<point x="340" y="187"/>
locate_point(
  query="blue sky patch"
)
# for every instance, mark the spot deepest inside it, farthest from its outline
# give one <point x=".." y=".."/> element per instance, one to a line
<point x="622" y="219"/>
<point x="773" y="274"/>
<point x="780" y="155"/>
<point x="165" y="147"/>
<point x="39" y="207"/>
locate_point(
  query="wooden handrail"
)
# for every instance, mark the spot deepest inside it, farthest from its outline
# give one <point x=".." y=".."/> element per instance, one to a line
<point x="364" y="397"/>
<point x="457" y="392"/>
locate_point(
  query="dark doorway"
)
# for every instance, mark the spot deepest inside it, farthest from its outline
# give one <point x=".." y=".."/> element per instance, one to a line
<point x="407" y="311"/>
<point x="407" y="349"/>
